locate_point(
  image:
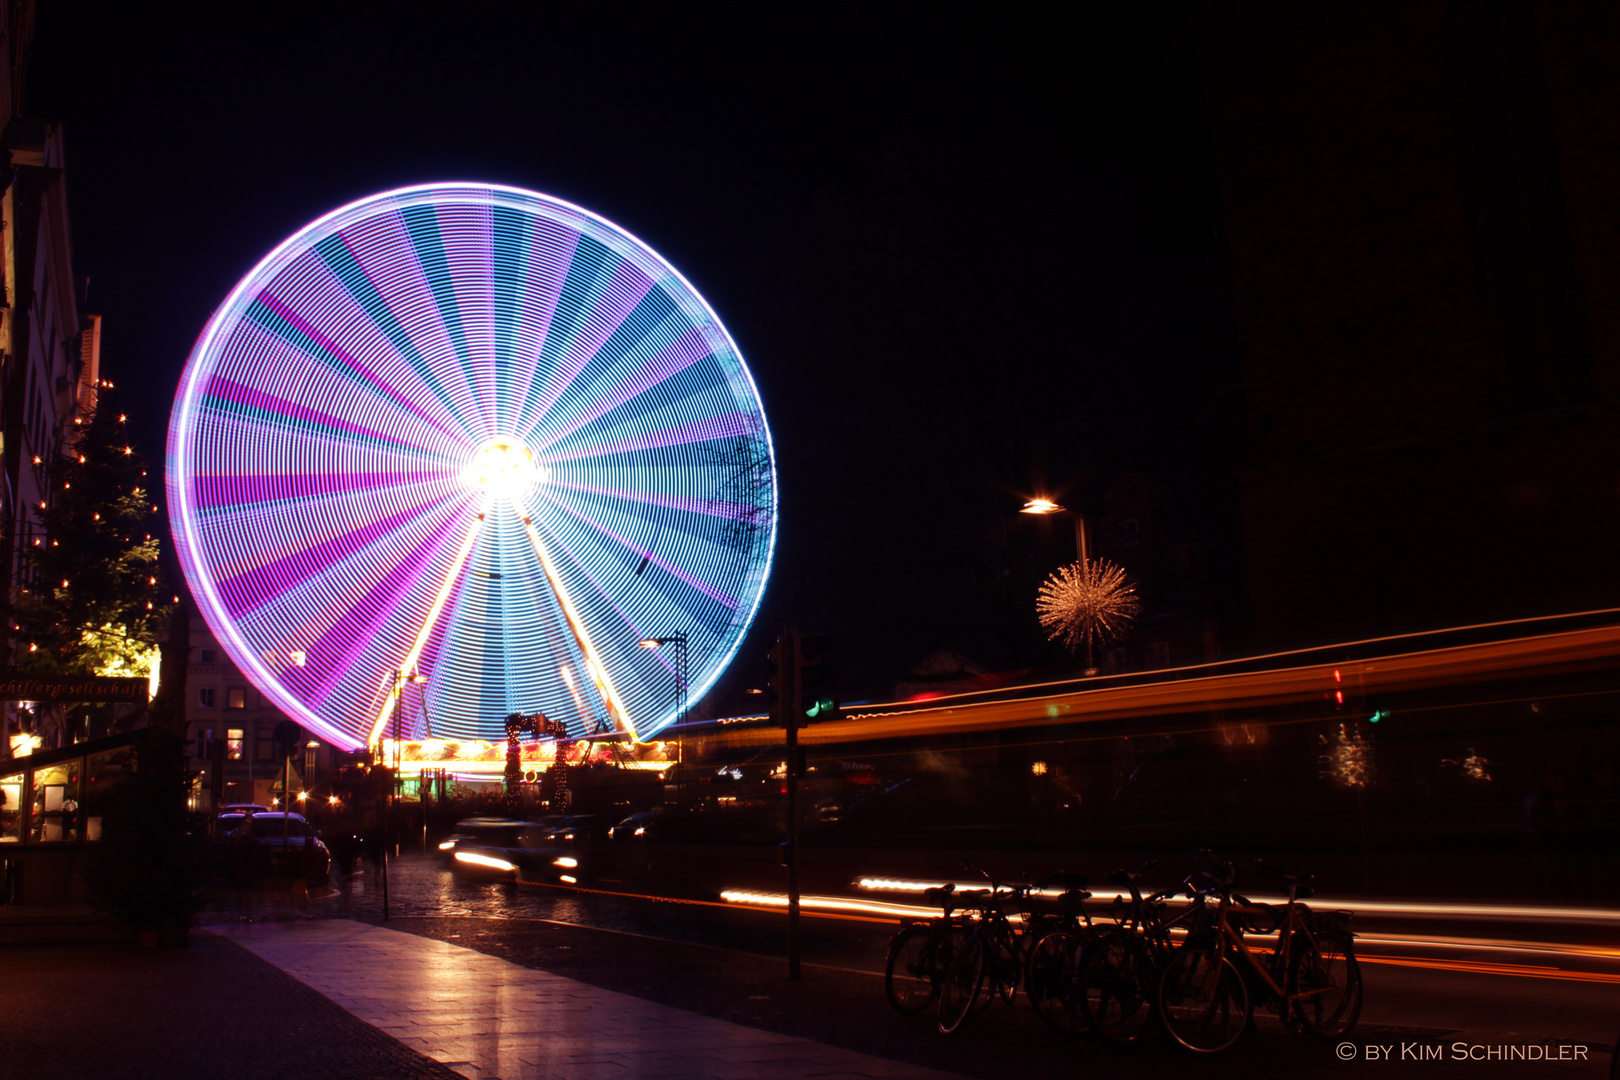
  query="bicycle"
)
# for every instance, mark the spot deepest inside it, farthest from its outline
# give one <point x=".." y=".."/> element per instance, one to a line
<point x="996" y="959"/>
<point x="1311" y="980"/>
<point x="1117" y="974"/>
<point x="920" y="953"/>
<point x="1050" y="973"/>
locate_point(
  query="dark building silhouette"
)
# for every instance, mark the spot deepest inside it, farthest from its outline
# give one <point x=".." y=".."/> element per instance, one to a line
<point x="1424" y="249"/>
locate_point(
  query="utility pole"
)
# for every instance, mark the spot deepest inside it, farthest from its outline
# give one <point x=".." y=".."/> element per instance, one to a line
<point x="787" y="707"/>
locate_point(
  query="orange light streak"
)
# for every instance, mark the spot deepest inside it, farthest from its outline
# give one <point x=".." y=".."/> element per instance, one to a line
<point x="1523" y="971"/>
<point x="1513" y="658"/>
<point x="484" y="860"/>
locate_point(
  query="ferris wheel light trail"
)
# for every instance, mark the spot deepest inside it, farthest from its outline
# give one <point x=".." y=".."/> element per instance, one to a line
<point x="390" y="692"/>
<point x="593" y="663"/>
<point x="422" y="355"/>
<point x="674" y="571"/>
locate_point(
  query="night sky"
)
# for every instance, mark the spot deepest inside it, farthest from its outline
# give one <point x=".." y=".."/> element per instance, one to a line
<point x="967" y="261"/>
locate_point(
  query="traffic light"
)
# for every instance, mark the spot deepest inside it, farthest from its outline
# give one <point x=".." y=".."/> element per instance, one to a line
<point x="816" y="678"/>
<point x="782" y="687"/>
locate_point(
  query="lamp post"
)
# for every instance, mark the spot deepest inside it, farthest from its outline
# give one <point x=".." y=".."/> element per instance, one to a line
<point x="400" y="678"/>
<point x="680" y="643"/>
<point x="1046" y="507"/>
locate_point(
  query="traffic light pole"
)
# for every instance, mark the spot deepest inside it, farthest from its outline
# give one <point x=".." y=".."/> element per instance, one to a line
<point x="789" y="707"/>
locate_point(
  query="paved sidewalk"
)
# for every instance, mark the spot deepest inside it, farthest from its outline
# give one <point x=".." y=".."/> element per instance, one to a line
<point x="487" y="1018"/>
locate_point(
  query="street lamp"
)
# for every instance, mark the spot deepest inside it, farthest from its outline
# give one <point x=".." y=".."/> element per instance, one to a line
<point x="1047" y="507"/>
<point x="680" y="643"/>
<point x="401" y="677"/>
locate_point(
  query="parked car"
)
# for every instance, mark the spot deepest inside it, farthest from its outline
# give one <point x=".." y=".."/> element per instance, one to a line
<point x="285" y="845"/>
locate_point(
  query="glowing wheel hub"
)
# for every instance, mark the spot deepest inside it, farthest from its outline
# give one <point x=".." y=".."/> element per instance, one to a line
<point x="503" y="469"/>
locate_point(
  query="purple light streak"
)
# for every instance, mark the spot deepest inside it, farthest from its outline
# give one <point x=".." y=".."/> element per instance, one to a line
<point x="303" y="326"/>
<point x="676" y="357"/>
<point x="223" y="389"/>
<point x="715" y="427"/>
<point x="712" y="507"/>
<point x="616" y="301"/>
<point x="675" y="571"/>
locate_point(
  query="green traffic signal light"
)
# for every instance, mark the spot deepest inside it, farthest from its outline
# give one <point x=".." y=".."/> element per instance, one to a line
<point x="817" y="678"/>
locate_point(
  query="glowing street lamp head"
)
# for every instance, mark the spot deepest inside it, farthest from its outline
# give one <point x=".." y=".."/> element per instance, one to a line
<point x="503" y="468"/>
<point x="1041" y="506"/>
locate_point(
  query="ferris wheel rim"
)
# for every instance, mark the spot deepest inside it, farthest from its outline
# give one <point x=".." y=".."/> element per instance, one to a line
<point x="204" y="359"/>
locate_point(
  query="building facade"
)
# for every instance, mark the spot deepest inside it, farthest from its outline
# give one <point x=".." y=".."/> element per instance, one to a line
<point x="231" y="728"/>
<point x="50" y="349"/>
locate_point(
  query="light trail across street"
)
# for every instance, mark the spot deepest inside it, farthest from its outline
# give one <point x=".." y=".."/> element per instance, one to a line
<point x="1431" y="970"/>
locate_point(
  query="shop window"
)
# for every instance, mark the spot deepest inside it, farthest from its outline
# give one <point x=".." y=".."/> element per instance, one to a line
<point x="55" y="813"/>
<point x="236" y="698"/>
<point x="205" y="697"/>
<point x="233" y="743"/>
<point x="11" y="793"/>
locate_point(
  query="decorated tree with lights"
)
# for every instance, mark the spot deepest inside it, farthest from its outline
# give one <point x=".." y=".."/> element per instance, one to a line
<point x="92" y="603"/>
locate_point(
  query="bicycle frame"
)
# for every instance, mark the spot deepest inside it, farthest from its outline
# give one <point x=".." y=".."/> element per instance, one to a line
<point x="1291" y="924"/>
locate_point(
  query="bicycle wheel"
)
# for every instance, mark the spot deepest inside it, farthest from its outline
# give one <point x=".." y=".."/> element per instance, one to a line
<point x="1115" y="987"/>
<point x="1326" y="971"/>
<point x="1051" y="982"/>
<point x="911" y="975"/>
<point x="1203" y="1003"/>
<point x="963" y="983"/>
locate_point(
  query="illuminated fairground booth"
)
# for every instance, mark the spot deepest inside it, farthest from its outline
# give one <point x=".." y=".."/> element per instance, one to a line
<point x="458" y="453"/>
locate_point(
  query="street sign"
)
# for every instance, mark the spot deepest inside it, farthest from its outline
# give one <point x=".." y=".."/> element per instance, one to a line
<point x="288" y="735"/>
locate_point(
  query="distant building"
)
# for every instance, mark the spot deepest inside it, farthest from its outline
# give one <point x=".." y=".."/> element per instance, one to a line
<point x="223" y="707"/>
<point x="1425" y="262"/>
<point x="1176" y="626"/>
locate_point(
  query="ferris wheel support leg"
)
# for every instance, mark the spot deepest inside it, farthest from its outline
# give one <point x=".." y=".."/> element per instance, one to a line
<point x="593" y="663"/>
<point x="409" y="663"/>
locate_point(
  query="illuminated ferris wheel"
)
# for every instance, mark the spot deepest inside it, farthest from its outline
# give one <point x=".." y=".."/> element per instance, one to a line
<point x="479" y="439"/>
